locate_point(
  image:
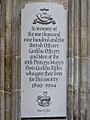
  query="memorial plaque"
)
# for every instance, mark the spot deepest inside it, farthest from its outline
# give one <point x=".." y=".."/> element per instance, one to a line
<point x="43" y="60"/>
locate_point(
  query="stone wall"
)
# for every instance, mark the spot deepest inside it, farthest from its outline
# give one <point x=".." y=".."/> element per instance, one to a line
<point x="78" y="58"/>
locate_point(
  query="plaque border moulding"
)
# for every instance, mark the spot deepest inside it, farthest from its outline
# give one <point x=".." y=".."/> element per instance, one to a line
<point x="63" y="4"/>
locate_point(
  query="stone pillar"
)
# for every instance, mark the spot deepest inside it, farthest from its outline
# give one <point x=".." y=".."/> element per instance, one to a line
<point x="88" y="65"/>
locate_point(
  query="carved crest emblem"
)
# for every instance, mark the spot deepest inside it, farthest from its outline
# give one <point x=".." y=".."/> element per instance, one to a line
<point x="44" y="100"/>
<point x="44" y="18"/>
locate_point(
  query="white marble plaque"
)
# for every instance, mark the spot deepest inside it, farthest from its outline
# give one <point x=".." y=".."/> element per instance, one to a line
<point x="43" y="60"/>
